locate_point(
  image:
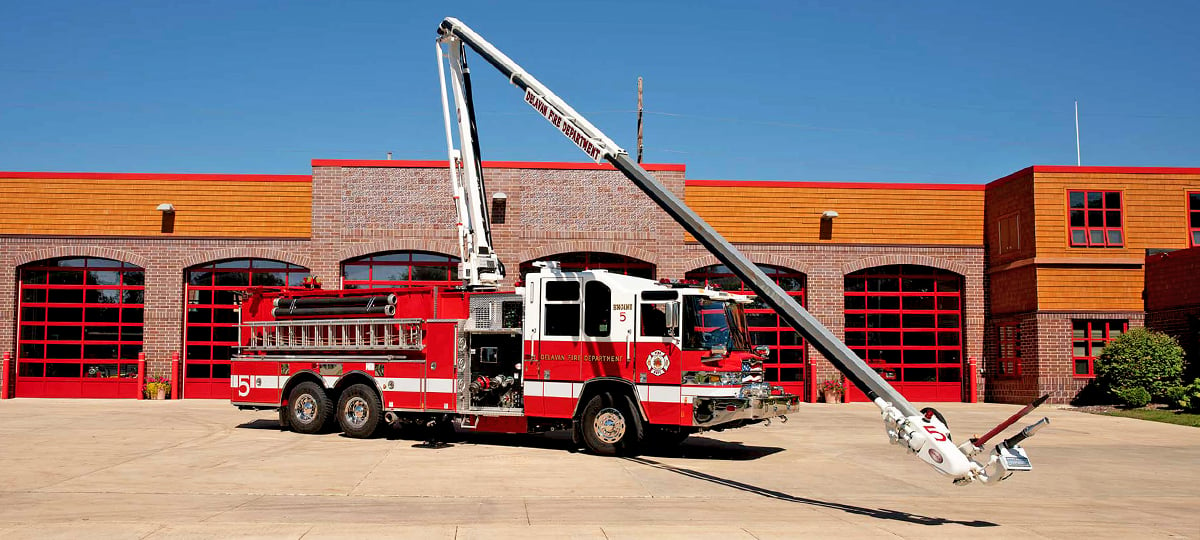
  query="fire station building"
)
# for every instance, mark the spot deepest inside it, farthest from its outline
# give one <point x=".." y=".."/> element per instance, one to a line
<point x="997" y="291"/>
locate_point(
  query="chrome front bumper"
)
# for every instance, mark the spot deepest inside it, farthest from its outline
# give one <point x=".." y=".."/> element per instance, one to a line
<point x="712" y="412"/>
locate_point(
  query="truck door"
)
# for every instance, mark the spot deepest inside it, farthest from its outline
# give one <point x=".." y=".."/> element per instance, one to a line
<point x="556" y="347"/>
<point x="657" y="356"/>
<point x="607" y="334"/>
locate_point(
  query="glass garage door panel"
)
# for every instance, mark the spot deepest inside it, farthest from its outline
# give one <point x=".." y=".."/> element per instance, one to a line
<point x="587" y="260"/>
<point x="906" y="322"/>
<point x="79" y="328"/>
<point x="210" y="331"/>
<point x="401" y="269"/>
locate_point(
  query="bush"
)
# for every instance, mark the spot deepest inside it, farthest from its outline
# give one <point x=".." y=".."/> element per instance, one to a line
<point x="1178" y="397"/>
<point x="1135" y="397"/>
<point x="1185" y="397"/>
<point x="1140" y="359"/>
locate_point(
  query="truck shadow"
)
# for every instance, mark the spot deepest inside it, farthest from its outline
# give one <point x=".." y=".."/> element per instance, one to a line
<point x="877" y="513"/>
<point x="694" y="448"/>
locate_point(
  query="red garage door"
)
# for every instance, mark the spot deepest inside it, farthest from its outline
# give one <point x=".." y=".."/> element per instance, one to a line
<point x="211" y="321"/>
<point x="787" y="365"/>
<point x="906" y="322"/>
<point x="401" y="269"/>
<point x="80" y="322"/>
<point x="586" y="260"/>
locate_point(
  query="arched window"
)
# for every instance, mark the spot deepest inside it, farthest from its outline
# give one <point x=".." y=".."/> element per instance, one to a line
<point x="211" y="332"/>
<point x="587" y="260"/>
<point x="906" y="322"/>
<point x="400" y="269"/>
<point x="787" y="363"/>
<point x="80" y="328"/>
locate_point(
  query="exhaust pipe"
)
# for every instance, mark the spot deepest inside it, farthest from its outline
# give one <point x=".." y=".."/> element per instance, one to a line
<point x="390" y="417"/>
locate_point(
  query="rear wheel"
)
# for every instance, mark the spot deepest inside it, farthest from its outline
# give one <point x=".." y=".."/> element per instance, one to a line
<point x="308" y="407"/>
<point x="611" y="425"/>
<point x="359" y="411"/>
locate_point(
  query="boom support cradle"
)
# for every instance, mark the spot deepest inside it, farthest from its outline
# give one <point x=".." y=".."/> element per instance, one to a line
<point x="925" y="435"/>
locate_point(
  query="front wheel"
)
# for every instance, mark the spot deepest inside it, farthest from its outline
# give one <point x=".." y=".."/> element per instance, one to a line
<point x="611" y="425"/>
<point x="308" y="407"/>
<point x="358" y="411"/>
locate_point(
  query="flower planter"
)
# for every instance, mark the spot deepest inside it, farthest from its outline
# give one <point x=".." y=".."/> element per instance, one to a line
<point x="833" y="397"/>
<point x="162" y="394"/>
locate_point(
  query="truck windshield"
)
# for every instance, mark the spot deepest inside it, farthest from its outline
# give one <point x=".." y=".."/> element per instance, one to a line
<point x="712" y="323"/>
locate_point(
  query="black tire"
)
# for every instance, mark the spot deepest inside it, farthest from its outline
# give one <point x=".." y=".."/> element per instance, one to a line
<point x="359" y="411"/>
<point x="611" y="426"/>
<point x="308" y="408"/>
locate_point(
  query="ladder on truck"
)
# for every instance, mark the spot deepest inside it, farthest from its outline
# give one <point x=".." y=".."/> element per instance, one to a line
<point x="335" y="335"/>
<point x="923" y="432"/>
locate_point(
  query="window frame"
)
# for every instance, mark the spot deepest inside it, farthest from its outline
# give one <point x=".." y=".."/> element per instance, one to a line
<point x="1088" y="343"/>
<point x="1008" y="340"/>
<point x="1193" y="215"/>
<point x="1104" y="229"/>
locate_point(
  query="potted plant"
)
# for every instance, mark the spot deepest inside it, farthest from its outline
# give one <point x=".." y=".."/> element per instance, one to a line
<point x="157" y="387"/>
<point x="833" y="390"/>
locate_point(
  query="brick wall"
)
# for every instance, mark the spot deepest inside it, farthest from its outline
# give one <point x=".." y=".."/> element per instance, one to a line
<point x="1054" y="370"/>
<point x="359" y="210"/>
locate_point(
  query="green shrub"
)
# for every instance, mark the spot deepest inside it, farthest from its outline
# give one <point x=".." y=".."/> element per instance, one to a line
<point x="1140" y="359"/>
<point x="1191" y="397"/>
<point x="1135" y="397"/>
<point x="1178" y="397"/>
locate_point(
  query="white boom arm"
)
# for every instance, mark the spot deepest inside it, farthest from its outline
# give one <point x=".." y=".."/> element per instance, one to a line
<point x="923" y="433"/>
<point x="479" y="267"/>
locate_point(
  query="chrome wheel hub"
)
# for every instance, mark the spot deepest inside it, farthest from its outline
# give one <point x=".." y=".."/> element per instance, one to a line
<point x="609" y="426"/>
<point x="306" y="408"/>
<point x="356" y="412"/>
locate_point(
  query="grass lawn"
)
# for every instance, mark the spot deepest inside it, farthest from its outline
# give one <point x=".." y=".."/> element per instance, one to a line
<point x="1158" y="415"/>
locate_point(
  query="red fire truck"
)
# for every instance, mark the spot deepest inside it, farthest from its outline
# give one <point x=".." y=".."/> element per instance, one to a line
<point x="617" y="359"/>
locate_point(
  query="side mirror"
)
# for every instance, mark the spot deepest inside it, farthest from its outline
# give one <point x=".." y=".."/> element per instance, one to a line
<point x="672" y="316"/>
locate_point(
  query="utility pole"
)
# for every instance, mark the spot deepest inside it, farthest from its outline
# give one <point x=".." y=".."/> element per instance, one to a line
<point x="639" y="141"/>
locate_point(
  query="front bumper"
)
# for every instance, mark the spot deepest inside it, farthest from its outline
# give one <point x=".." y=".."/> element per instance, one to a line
<point x="716" y="412"/>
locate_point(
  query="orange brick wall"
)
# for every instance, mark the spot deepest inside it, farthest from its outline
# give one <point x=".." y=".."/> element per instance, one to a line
<point x="237" y="206"/>
<point x="888" y="214"/>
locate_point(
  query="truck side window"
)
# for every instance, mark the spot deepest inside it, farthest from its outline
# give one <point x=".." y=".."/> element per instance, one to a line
<point x="654" y="320"/>
<point x="562" y="308"/>
<point x="562" y="291"/>
<point x="597" y="309"/>
<point x="562" y="320"/>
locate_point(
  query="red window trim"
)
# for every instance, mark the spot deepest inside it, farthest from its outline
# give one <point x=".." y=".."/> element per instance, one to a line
<point x="1008" y="366"/>
<point x="1087" y="229"/>
<point x="1193" y="214"/>
<point x="1087" y="342"/>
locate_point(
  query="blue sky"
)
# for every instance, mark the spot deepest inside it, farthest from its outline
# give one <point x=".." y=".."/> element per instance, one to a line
<point x="824" y="91"/>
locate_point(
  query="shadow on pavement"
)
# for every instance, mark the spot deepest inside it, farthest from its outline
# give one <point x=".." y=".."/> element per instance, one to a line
<point x="262" y="423"/>
<point x="693" y="448"/>
<point x="880" y="513"/>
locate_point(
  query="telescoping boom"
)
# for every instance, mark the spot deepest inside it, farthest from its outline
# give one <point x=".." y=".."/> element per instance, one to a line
<point x="923" y="433"/>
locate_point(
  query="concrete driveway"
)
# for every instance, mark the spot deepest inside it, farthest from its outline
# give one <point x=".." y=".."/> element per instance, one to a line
<point x="201" y="469"/>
